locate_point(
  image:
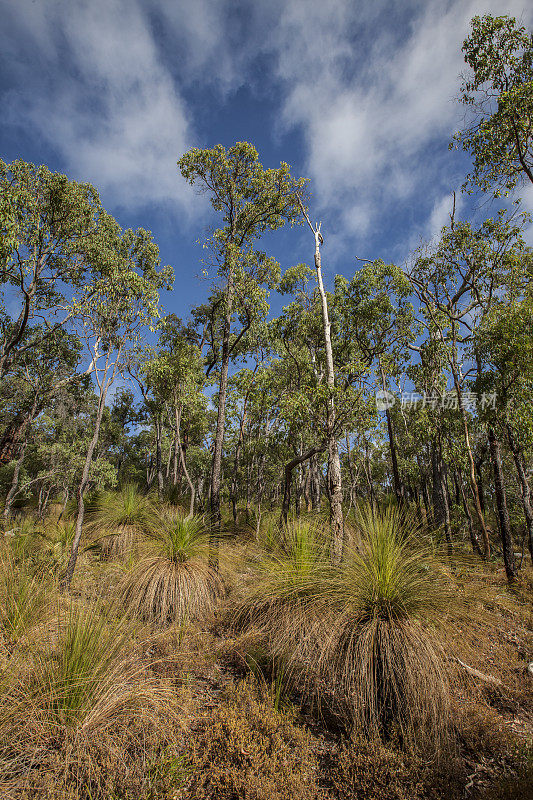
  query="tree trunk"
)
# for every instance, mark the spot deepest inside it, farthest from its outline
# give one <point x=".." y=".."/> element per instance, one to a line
<point x="177" y="412"/>
<point x="334" y="477"/>
<point x="398" y="487"/>
<point x="441" y="509"/>
<point x="350" y="472"/>
<point x="479" y="478"/>
<point x="501" y="504"/>
<point x="315" y="483"/>
<point x="216" y="469"/>
<point x="65" y="501"/>
<point x="368" y="473"/>
<point x="169" y="460"/>
<point x="525" y="489"/>
<point x="158" y="458"/>
<point x="473" y="482"/>
<point x="15" y="433"/>
<point x="66" y="579"/>
<point x="236" y="463"/>
<point x="13" y="489"/>
<point x="473" y="538"/>
<point x="289" y="466"/>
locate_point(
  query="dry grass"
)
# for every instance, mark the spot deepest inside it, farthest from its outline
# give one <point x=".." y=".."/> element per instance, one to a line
<point x="172" y="581"/>
<point x="90" y="711"/>
<point x="116" y="521"/>
<point x="24" y="600"/>
<point x="80" y="709"/>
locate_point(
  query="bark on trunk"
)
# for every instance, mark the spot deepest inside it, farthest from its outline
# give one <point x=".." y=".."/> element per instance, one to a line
<point x="501" y="505"/>
<point x="525" y="489"/>
<point x="66" y="579"/>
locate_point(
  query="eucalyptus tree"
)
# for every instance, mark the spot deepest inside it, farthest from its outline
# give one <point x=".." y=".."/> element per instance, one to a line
<point x="38" y="376"/>
<point x="250" y="200"/>
<point x="46" y="221"/>
<point x="377" y="319"/>
<point x="174" y="375"/>
<point x="114" y="311"/>
<point x="499" y="94"/>
<point x="458" y="282"/>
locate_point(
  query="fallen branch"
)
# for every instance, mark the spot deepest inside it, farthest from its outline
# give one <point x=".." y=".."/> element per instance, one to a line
<point x="480" y="675"/>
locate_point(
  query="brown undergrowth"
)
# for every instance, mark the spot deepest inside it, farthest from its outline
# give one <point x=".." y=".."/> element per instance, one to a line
<point x="97" y="707"/>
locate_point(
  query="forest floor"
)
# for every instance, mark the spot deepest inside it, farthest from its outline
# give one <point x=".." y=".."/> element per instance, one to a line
<point x="248" y="735"/>
<point x="243" y="732"/>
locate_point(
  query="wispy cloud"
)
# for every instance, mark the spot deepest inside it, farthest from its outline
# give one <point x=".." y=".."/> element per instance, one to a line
<point x="96" y="89"/>
<point x="115" y="86"/>
<point x="372" y="94"/>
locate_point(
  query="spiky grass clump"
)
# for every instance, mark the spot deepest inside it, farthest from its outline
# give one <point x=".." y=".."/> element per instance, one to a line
<point x="172" y="581"/>
<point x="82" y="693"/>
<point x="117" y="520"/>
<point x="381" y="655"/>
<point x="286" y="568"/>
<point x="24" y="599"/>
<point x="281" y="605"/>
<point x="19" y="539"/>
<point x="358" y="638"/>
<point x="53" y="545"/>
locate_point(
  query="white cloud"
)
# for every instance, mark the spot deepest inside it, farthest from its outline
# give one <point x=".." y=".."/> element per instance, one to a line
<point x="113" y="111"/>
<point x="371" y="98"/>
<point x="369" y="85"/>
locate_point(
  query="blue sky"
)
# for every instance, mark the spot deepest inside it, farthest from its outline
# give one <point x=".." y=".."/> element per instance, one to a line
<point x="358" y="96"/>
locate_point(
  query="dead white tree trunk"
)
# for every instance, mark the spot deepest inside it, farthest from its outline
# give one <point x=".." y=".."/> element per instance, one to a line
<point x="334" y="462"/>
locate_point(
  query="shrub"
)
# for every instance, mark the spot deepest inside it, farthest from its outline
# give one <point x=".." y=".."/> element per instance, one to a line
<point x="245" y="749"/>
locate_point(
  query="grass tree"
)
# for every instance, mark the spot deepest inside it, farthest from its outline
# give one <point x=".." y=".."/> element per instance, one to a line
<point x="172" y="581"/>
<point x="113" y="312"/>
<point x="119" y="519"/>
<point x="380" y="655"/>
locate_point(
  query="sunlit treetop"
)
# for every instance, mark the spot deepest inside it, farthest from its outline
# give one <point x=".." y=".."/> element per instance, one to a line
<point x="498" y="95"/>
